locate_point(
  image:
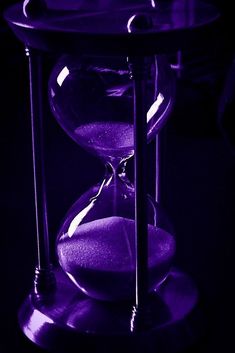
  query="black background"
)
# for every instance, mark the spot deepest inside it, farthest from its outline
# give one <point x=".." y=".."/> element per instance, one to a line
<point x="199" y="191"/>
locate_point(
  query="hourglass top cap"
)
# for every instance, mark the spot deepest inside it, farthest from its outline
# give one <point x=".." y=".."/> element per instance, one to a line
<point x="42" y="25"/>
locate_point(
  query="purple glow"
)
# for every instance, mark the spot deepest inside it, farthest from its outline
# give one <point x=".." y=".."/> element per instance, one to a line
<point x="173" y="304"/>
<point x="154" y="108"/>
<point x="24" y="7"/>
<point x="114" y="140"/>
<point x="96" y="5"/>
<point x="35" y="324"/>
<point x="62" y="76"/>
<point x="100" y="257"/>
<point x="129" y="23"/>
<point x="118" y="91"/>
<point x="78" y="219"/>
<point x="92" y="99"/>
<point x="81" y="215"/>
<point x="153" y="3"/>
<point x="108" y="70"/>
<point x="94" y="94"/>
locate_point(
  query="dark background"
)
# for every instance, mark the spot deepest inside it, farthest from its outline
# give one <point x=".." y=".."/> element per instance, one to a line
<point x="199" y="191"/>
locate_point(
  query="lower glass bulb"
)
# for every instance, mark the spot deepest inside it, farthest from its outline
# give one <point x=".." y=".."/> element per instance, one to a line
<point x="96" y="244"/>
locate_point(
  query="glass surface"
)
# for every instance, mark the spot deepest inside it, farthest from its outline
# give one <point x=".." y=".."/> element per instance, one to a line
<point x="92" y="99"/>
<point x="97" y="5"/>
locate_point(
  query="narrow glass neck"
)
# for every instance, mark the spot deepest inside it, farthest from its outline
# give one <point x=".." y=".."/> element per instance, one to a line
<point x="116" y="169"/>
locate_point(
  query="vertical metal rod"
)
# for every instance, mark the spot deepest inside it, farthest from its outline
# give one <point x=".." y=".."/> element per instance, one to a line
<point x="139" y="67"/>
<point x="36" y="101"/>
<point x="157" y="168"/>
<point x="141" y="224"/>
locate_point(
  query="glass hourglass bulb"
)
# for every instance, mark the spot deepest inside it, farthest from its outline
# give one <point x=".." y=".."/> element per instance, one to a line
<point x="92" y="99"/>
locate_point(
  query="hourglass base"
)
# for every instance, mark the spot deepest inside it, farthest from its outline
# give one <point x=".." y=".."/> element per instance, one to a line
<point x="69" y="321"/>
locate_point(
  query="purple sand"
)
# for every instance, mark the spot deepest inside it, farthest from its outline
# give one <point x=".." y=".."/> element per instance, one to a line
<point x="100" y="257"/>
<point x="107" y="139"/>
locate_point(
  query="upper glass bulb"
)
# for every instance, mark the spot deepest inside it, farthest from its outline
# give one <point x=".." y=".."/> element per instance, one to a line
<point x="92" y="99"/>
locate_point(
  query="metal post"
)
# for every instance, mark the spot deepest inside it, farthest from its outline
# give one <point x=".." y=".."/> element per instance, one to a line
<point x="157" y="168"/>
<point x="44" y="279"/>
<point x="138" y="73"/>
<point x="139" y="69"/>
<point x="141" y="230"/>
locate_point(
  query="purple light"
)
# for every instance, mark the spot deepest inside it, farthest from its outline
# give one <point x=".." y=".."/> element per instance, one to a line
<point x="62" y="76"/>
<point x="154" y="108"/>
<point x="118" y="91"/>
<point x="100" y="256"/>
<point x="129" y="23"/>
<point x="81" y="215"/>
<point x="37" y="321"/>
<point x="78" y="219"/>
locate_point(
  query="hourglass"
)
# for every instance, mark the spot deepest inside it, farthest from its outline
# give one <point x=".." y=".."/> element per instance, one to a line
<point x="111" y="90"/>
<point x="93" y="102"/>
